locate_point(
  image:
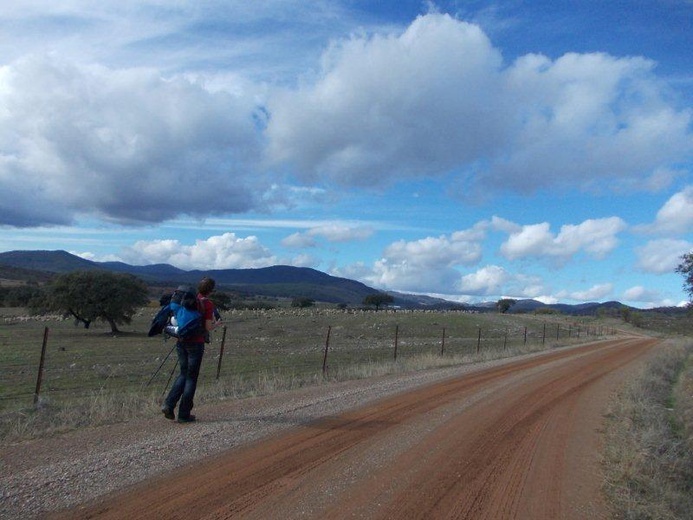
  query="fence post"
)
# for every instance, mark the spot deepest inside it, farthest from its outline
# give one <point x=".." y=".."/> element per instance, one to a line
<point x="396" y="340"/>
<point x="442" y="343"/>
<point x="558" y="331"/>
<point x="525" y="335"/>
<point x="543" y="337"/>
<point x="221" y="350"/>
<point x="327" y="346"/>
<point x="39" y="378"/>
<point x="505" y="340"/>
<point x="478" y="342"/>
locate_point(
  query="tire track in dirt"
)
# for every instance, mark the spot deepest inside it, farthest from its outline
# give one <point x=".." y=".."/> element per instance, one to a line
<point x="498" y="443"/>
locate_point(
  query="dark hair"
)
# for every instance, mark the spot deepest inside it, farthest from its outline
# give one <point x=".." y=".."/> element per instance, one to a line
<point x="206" y="286"/>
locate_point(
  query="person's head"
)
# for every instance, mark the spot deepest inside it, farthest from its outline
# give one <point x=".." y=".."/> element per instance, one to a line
<point x="206" y="286"/>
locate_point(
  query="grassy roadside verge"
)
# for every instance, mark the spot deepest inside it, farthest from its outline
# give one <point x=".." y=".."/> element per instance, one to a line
<point x="648" y="456"/>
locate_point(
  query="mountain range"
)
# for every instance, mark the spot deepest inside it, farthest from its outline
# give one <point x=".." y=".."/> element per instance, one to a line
<point x="276" y="281"/>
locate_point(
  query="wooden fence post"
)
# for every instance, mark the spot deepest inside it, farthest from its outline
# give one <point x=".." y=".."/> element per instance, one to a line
<point x="221" y="350"/>
<point x="478" y="342"/>
<point x="442" y="343"/>
<point x="39" y="378"/>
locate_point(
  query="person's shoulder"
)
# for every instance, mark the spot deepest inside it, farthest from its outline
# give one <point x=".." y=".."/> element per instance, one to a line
<point x="208" y="304"/>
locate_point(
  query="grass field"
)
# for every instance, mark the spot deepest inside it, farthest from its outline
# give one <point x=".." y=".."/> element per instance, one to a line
<point x="286" y="344"/>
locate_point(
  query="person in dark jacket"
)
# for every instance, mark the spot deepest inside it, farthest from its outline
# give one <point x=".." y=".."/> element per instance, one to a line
<point x="190" y="353"/>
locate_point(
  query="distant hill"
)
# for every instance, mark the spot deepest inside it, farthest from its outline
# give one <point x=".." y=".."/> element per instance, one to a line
<point x="582" y="309"/>
<point x="277" y="281"/>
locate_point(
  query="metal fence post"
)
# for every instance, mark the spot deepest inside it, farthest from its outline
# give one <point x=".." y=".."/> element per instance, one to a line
<point x="39" y="378"/>
<point x="543" y="337"/>
<point x="327" y="346"/>
<point x="221" y="350"/>
<point x="396" y="340"/>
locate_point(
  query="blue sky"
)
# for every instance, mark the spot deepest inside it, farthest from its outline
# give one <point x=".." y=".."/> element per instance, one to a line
<point x="468" y="149"/>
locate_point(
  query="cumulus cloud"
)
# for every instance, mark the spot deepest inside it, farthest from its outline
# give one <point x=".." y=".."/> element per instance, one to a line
<point x="594" y="293"/>
<point x="662" y="256"/>
<point x="225" y="251"/>
<point x="122" y="145"/>
<point x="640" y="294"/>
<point x="487" y="280"/>
<point x="434" y="98"/>
<point x="332" y="232"/>
<point x="428" y="264"/>
<point x="596" y="237"/>
<point x="438" y="98"/>
<point x="676" y="216"/>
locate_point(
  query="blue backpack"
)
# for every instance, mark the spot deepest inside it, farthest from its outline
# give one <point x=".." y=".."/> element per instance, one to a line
<point x="182" y="317"/>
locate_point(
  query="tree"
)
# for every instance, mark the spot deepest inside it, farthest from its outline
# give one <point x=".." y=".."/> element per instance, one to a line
<point x="221" y="301"/>
<point x="378" y="299"/>
<point x="503" y="305"/>
<point x="98" y="295"/>
<point x="686" y="269"/>
<point x="302" y="302"/>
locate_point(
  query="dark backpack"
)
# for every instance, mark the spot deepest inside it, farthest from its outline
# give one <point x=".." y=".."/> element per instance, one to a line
<point x="182" y="317"/>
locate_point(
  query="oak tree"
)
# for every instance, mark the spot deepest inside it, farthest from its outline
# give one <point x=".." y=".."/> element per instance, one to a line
<point x="98" y="295"/>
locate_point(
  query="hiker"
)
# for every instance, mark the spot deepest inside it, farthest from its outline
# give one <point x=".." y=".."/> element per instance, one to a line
<point x="190" y="351"/>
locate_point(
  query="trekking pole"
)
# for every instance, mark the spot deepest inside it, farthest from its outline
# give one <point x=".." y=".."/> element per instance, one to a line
<point x="169" y="378"/>
<point x="161" y="365"/>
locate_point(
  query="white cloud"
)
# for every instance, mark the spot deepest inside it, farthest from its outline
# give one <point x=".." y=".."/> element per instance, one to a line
<point x="594" y="293"/>
<point x="332" y="232"/>
<point x="437" y="98"/>
<point x="662" y="256"/>
<point x="335" y="232"/>
<point x="428" y="264"/>
<point x="225" y="251"/>
<point x="488" y="280"/>
<point x="596" y="237"/>
<point x="640" y="294"/>
<point x="123" y="145"/>
<point x="433" y="98"/>
<point x="676" y="216"/>
<point x="298" y="241"/>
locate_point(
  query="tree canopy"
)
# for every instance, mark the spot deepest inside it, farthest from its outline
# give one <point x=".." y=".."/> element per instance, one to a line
<point x="503" y="305"/>
<point x="97" y="295"/>
<point x="686" y="269"/>
<point x="378" y="300"/>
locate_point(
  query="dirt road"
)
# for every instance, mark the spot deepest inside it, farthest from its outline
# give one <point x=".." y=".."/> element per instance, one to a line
<point x="516" y="441"/>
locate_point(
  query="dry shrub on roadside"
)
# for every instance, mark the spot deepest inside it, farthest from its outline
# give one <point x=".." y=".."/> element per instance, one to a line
<point x="648" y="457"/>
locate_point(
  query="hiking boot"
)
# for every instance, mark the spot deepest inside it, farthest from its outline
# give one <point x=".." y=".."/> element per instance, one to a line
<point x="183" y="420"/>
<point x="168" y="413"/>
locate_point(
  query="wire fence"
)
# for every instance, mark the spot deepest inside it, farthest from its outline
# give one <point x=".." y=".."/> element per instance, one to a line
<point x="56" y="359"/>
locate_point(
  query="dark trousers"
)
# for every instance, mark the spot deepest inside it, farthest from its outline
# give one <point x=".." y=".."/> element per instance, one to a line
<point x="190" y="360"/>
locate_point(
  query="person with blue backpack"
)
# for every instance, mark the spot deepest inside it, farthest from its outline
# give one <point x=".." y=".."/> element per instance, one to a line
<point x="194" y="318"/>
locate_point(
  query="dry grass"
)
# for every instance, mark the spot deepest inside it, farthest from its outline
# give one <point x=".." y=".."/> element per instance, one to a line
<point x="106" y="406"/>
<point x="649" y="452"/>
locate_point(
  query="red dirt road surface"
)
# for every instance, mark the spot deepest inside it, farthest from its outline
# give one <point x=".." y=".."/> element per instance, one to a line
<point x="515" y="441"/>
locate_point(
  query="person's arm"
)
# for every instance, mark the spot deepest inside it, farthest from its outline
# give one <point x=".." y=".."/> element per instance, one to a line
<point x="209" y="315"/>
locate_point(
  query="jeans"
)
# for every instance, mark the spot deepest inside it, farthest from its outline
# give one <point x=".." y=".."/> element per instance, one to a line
<point x="189" y="359"/>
